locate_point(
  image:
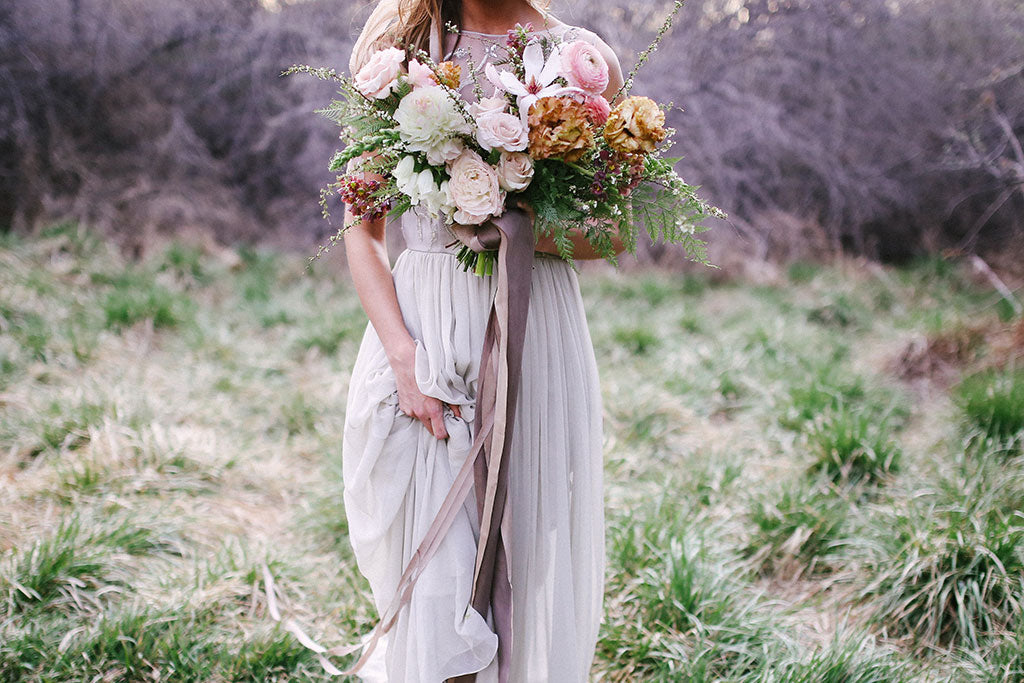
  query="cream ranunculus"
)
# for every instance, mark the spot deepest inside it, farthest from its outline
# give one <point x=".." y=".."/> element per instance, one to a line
<point x="515" y="171"/>
<point x="474" y="188"/>
<point x="379" y="76"/>
<point x="497" y="130"/>
<point x="428" y="122"/>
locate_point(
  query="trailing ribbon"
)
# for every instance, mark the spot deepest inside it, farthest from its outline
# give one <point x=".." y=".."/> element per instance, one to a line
<point x="497" y="392"/>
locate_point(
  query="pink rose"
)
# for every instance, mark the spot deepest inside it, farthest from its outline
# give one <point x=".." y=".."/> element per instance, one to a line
<point x="474" y="188"/>
<point x="488" y="105"/>
<point x="420" y="75"/>
<point x="379" y="76"/>
<point x="498" y="130"/>
<point x="584" y="67"/>
<point x="515" y="171"/>
<point x="598" y="109"/>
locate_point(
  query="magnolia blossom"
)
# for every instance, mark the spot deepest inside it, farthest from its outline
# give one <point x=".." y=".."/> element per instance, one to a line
<point x="474" y="189"/>
<point x="538" y="82"/>
<point x="498" y="130"/>
<point x="379" y="76"/>
<point x="584" y="67"/>
<point x="428" y="122"/>
<point x="420" y="75"/>
<point x="515" y="171"/>
<point x="421" y="188"/>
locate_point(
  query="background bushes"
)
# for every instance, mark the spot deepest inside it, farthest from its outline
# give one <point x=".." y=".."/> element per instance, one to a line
<point x="885" y="128"/>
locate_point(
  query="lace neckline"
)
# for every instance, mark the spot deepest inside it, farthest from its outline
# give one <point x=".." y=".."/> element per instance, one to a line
<point x="502" y="35"/>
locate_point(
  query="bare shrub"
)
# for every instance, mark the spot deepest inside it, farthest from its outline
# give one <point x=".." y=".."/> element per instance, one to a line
<point x="895" y="127"/>
<point x="880" y="127"/>
<point x="138" y="116"/>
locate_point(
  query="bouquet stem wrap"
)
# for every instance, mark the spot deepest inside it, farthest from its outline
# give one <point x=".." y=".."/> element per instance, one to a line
<point x="497" y="392"/>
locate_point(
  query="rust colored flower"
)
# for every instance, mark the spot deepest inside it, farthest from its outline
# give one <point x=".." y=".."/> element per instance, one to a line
<point x="450" y="74"/>
<point x="559" y="127"/>
<point x="635" y="126"/>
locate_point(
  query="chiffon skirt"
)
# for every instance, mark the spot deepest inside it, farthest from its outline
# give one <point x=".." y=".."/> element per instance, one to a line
<point x="396" y="475"/>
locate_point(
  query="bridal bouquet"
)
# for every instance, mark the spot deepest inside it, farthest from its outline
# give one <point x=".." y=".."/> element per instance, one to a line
<point x="546" y="138"/>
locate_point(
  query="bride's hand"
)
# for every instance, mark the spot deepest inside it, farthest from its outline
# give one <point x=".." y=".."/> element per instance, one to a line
<point x="414" y="402"/>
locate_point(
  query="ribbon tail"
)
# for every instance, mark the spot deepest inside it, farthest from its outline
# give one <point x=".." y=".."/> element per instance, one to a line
<point x="500" y="378"/>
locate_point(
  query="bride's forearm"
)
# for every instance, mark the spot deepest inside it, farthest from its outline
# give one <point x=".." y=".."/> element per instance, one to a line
<point x="366" y="252"/>
<point x="581" y="248"/>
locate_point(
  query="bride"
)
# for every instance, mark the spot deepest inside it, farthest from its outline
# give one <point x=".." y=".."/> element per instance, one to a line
<point x="410" y="417"/>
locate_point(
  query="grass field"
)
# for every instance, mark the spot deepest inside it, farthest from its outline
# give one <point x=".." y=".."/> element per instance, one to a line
<point x="817" y="480"/>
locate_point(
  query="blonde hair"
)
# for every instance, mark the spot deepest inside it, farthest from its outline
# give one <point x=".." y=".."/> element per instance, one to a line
<point x="408" y="22"/>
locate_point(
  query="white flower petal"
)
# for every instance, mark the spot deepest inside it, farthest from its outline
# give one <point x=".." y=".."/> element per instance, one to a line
<point x="494" y="77"/>
<point x="533" y="59"/>
<point x="525" y="102"/>
<point x="510" y="84"/>
<point x="551" y="68"/>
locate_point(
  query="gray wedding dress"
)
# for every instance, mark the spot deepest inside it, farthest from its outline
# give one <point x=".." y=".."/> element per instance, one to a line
<point x="396" y="474"/>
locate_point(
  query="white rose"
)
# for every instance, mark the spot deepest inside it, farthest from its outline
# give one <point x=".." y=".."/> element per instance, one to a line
<point x="474" y="189"/>
<point x="379" y="76"/>
<point x="428" y="120"/>
<point x="499" y="130"/>
<point x="488" y="105"/>
<point x="515" y="171"/>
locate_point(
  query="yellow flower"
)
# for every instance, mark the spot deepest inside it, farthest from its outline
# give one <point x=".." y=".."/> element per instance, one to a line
<point x="450" y="74"/>
<point x="559" y="128"/>
<point x="635" y="125"/>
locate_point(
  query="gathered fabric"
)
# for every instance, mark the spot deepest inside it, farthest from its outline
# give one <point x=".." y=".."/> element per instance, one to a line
<point x="396" y="476"/>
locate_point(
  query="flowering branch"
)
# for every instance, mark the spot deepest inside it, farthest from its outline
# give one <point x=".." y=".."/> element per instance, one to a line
<point x="627" y="85"/>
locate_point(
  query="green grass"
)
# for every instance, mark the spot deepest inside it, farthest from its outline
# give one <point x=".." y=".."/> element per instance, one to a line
<point x="780" y="506"/>
<point x="948" y="565"/>
<point x="798" y="530"/>
<point x="853" y="660"/>
<point x="75" y="558"/>
<point x="135" y="296"/>
<point x="993" y="403"/>
<point x="852" y="446"/>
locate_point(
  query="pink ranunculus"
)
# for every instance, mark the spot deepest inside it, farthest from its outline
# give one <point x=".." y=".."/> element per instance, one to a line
<point x="379" y="76"/>
<point x="498" y="130"/>
<point x="584" y="67"/>
<point x="474" y="188"/>
<point x="598" y="109"/>
<point x="420" y="75"/>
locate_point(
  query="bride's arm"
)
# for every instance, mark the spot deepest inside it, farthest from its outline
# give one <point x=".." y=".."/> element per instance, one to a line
<point x="581" y="247"/>
<point x="367" y="255"/>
